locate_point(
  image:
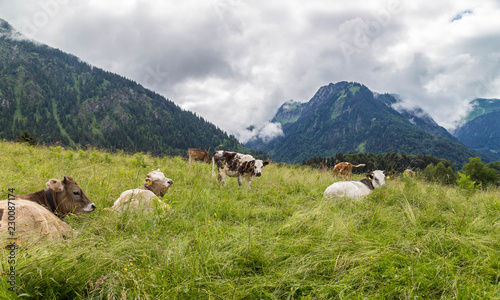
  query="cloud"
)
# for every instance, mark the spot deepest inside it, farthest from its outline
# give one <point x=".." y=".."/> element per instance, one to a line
<point x="234" y="63"/>
<point x="461" y="15"/>
<point x="265" y="133"/>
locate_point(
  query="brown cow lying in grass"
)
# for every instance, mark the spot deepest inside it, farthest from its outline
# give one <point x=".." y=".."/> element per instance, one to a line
<point x="142" y="197"/>
<point x="35" y="214"/>
<point x="62" y="198"/>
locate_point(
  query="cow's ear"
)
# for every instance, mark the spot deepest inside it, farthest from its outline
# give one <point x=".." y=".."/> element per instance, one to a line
<point x="55" y="185"/>
<point x="67" y="179"/>
<point x="369" y="176"/>
<point x="265" y="163"/>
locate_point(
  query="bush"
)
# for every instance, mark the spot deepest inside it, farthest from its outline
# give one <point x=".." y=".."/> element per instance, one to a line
<point x="440" y="173"/>
<point x="480" y="173"/>
<point x="26" y="137"/>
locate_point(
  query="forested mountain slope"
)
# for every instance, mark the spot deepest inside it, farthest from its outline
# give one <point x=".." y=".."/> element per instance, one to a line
<point x="348" y="117"/>
<point x="60" y="99"/>
<point x="481" y="131"/>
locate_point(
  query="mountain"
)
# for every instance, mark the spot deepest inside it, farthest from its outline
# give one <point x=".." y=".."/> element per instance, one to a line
<point x="417" y="116"/>
<point x="60" y="99"/>
<point x="481" y="131"/>
<point x="348" y="117"/>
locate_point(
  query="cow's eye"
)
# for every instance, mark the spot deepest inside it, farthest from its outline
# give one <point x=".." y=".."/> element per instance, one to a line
<point x="76" y="193"/>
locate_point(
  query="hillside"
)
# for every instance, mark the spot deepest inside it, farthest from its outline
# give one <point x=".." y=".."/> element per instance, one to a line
<point x="348" y="117"/>
<point x="278" y="240"/>
<point x="60" y="99"/>
<point x="481" y="131"/>
<point x="481" y="106"/>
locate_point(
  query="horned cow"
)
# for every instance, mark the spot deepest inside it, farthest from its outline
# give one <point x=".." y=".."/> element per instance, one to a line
<point x="62" y="198"/>
<point x="155" y="187"/>
<point x="235" y="164"/>
<point x="356" y="189"/>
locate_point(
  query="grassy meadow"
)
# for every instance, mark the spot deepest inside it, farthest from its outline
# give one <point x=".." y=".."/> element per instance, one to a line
<point x="280" y="239"/>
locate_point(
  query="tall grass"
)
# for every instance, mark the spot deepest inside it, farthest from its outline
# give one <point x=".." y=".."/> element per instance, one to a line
<point x="280" y="239"/>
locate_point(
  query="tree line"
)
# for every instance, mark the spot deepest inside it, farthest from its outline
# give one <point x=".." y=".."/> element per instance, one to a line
<point x="429" y="167"/>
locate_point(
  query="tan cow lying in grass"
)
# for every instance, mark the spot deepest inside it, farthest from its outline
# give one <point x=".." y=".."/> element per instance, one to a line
<point x="30" y="223"/>
<point x="154" y="188"/>
<point x="33" y="217"/>
<point x="356" y="189"/>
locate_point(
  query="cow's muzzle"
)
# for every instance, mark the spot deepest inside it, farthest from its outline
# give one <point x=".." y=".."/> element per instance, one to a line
<point x="89" y="208"/>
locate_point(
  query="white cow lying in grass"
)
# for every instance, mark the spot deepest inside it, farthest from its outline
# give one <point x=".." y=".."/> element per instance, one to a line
<point x="142" y="197"/>
<point x="356" y="189"/>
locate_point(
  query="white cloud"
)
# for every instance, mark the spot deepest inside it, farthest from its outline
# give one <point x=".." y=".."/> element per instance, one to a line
<point x="234" y="63"/>
<point x="265" y="133"/>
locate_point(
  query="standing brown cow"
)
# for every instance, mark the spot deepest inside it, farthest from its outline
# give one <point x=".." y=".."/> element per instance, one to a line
<point x="345" y="169"/>
<point x="62" y="198"/>
<point x="198" y="155"/>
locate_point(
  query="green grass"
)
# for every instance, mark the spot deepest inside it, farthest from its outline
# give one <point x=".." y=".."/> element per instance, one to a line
<point x="280" y="239"/>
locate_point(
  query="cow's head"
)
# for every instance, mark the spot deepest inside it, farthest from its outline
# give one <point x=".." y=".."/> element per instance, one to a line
<point x="69" y="197"/>
<point x="253" y="167"/>
<point x="377" y="178"/>
<point x="158" y="183"/>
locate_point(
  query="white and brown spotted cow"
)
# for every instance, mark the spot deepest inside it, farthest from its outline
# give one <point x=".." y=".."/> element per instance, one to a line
<point x="235" y="164"/>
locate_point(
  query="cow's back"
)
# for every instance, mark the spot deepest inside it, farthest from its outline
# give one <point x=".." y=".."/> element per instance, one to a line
<point x="136" y="199"/>
<point x="33" y="222"/>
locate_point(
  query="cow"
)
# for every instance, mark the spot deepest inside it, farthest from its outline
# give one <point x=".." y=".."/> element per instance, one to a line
<point x="356" y="189"/>
<point x="62" y="198"/>
<point x="155" y="187"/>
<point x="235" y="164"/>
<point x="198" y="155"/>
<point x="33" y="223"/>
<point x="409" y="172"/>
<point x="345" y="169"/>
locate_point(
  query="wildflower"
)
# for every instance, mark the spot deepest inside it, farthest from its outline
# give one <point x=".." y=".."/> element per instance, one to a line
<point x="131" y="264"/>
<point x="125" y="269"/>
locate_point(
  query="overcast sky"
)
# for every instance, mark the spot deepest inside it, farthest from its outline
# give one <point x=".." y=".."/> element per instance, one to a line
<point x="235" y="62"/>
